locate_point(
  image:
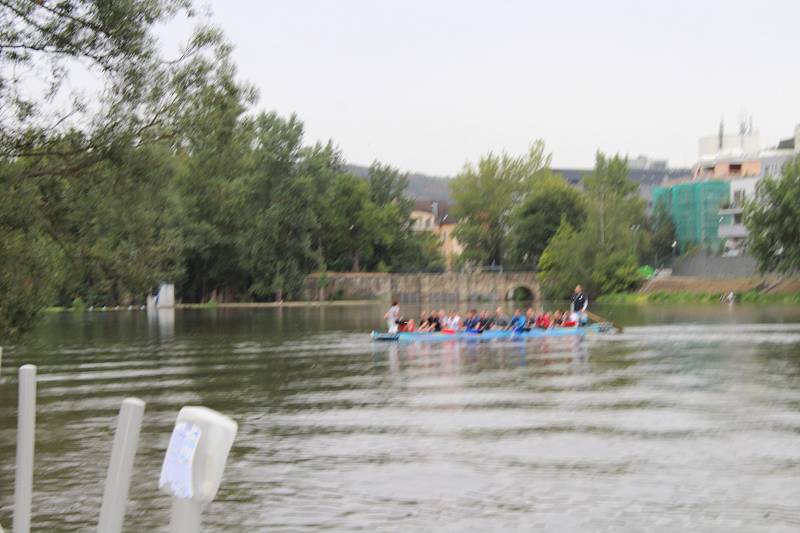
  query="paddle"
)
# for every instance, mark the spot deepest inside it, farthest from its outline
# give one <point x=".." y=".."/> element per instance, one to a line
<point x="598" y="318"/>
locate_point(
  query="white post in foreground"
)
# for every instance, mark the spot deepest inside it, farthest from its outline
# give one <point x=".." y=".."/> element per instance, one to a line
<point x="194" y="463"/>
<point x="120" y="468"/>
<point x="26" y="425"/>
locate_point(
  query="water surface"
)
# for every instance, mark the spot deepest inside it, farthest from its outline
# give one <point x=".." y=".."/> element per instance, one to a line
<point x="689" y="420"/>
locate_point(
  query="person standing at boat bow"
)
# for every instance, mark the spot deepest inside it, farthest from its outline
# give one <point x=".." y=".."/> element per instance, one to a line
<point x="579" y="306"/>
<point x="392" y="316"/>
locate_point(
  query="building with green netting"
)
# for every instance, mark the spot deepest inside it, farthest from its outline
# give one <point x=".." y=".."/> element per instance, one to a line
<point x="694" y="208"/>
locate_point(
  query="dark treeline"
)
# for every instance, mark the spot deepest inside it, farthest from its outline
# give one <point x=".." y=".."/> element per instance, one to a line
<point x="168" y="173"/>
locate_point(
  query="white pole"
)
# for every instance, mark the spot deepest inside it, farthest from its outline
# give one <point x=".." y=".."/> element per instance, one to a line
<point x="120" y="467"/>
<point x="26" y="425"/>
<point x="186" y="516"/>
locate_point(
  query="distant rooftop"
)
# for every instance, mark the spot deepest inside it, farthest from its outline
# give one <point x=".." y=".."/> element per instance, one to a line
<point x="440" y="208"/>
<point x="650" y="176"/>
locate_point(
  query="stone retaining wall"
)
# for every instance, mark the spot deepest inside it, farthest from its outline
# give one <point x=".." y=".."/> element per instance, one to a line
<point x="446" y="287"/>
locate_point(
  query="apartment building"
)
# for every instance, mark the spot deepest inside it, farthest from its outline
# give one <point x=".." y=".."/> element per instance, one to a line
<point x="435" y="217"/>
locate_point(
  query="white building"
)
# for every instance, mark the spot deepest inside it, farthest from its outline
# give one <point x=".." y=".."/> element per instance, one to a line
<point x="744" y="170"/>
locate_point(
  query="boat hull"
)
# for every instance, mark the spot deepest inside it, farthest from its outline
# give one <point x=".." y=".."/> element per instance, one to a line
<point x="487" y="335"/>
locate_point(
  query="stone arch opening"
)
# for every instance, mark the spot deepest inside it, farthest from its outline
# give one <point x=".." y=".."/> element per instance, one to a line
<point x="520" y="293"/>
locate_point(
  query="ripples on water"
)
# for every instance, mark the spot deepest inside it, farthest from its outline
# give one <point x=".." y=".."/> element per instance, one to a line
<point x="664" y="427"/>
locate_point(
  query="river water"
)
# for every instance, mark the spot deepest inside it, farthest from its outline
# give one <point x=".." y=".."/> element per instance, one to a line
<point x="687" y="421"/>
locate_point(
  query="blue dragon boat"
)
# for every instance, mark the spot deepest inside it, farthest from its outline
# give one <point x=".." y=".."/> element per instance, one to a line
<point x="489" y="335"/>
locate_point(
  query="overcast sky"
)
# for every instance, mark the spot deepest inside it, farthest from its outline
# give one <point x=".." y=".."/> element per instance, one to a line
<point x="427" y="85"/>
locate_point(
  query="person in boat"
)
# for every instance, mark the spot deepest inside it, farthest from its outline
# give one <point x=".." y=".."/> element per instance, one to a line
<point x="392" y="317"/>
<point x="558" y="317"/>
<point x="423" y="316"/>
<point x="530" y="319"/>
<point x="517" y="322"/>
<point x="472" y="321"/>
<point x="484" y="322"/>
<point x="442" y="320"/>
<point x="455" y="320"/>
<point x="579" y="306"/>
<point x="567" y="321"/>
<point x="500" y="320"/>
<point x="432" y="323"/>
<point x="411" y="326"/>
<point x="425" y="323"/>
<point x="542" y="321"/>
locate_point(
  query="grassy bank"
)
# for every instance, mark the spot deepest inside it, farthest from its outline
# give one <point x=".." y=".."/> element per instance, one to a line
<point x="639" y="298"/>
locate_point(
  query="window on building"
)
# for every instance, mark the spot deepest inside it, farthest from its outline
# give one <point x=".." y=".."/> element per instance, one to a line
<point x="735" y="169"/>
<point x="739" y="197"/>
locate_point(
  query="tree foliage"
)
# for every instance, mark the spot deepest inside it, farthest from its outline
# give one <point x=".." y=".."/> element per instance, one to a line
<point x="72" y="162"/>
<point x="661" y="229"/>
<point x="537" y="218"/>
<point x="602" y="255"/>
<point x="484" y="196"/>
<point x="164" y="171"/>
<point x="771" y="219"/>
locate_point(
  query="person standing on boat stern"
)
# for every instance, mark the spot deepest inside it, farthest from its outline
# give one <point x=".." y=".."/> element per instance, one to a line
<point x="579" y="305"/>
<point x="391" y="317"/>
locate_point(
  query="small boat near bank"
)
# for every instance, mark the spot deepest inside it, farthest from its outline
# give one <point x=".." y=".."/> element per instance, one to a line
<point x="489" y="335"/>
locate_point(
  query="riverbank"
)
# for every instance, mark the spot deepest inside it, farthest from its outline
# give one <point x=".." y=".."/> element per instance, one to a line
<point x="257" y="305"/>
<point x="215" y="305"/>
<point x="684" y="289"/>
<point x="640" y="298"/>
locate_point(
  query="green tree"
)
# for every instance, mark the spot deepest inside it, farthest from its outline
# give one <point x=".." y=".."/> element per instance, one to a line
<point x="30" y="259"/>
<point x="277" y="221"/>
<point x="399" y="248"/>
<point x="215" y="152"/>
<point x="111" y="222"/>
<point x="615" y="208"/>
<point x="484" y="196"/>
<point x="662" y="234"/>
<point x="566" y="259"/>
<point x="41" y="43"/>
<point x="387" y="185"/>
<point x="417" y="251"/>
<point x="537" y="218"/>
<point x="771" y="220"/>
<point x="394" y="243"/>
<point x="320" y="164"/>
<point x="352" y="223"/>
<point x="602" y="256"/>
<point x="88" y="169"/>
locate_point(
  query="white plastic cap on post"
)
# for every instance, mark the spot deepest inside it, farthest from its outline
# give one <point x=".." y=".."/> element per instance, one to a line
<point x="197" y="452"/>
